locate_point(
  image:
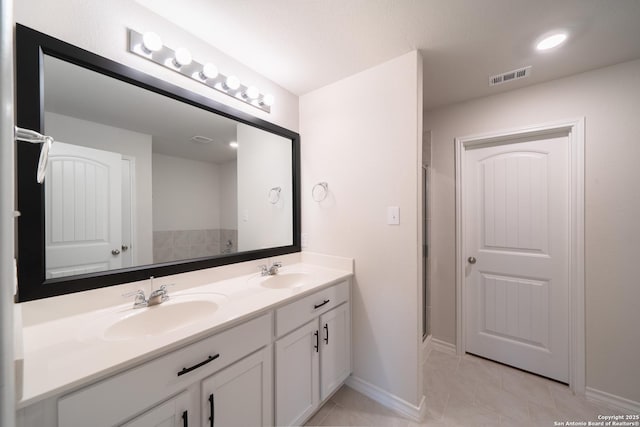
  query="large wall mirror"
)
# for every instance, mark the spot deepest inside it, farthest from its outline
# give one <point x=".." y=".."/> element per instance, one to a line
<point x="144" y="179"/>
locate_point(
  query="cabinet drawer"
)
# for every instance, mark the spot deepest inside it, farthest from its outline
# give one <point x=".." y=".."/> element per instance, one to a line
<point x="297" y="313"/>
<point x="122" y="396"/>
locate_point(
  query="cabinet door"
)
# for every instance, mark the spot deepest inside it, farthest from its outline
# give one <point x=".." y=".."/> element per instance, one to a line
<point x="240" y="395"/>
<point x="172" y="413"/>
<point x="297" y="389"/>
<point x="335" y="349"/>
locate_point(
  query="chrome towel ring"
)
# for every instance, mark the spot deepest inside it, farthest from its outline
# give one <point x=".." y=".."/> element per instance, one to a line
<point x="274" y="195"/>
<point x="320" y="191"/>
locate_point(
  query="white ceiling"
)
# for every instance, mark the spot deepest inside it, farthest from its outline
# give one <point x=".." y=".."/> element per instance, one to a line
<point x="303" y="45"/>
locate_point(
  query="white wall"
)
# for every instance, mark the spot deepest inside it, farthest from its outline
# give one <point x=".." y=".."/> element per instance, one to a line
<point x="362" y="136"/>
<point x="101" y="27"/>
<point x="95" y="135"/>
<point x="229" y="195"/>
<point x="609" y="99"/>
<point x="186" y="194"/>
<point x="264" y="162"/>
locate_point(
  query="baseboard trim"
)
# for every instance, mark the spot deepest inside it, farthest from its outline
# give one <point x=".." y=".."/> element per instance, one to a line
<point x="616" y="402"/>
<point x="391" y="401"/>
<point x="442" y="346"/>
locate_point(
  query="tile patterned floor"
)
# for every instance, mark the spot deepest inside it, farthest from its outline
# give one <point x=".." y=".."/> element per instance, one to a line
<point x="468" y="391"/>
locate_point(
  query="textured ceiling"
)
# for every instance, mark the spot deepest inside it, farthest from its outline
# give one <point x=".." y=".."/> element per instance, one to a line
<point x="303" y="45"/>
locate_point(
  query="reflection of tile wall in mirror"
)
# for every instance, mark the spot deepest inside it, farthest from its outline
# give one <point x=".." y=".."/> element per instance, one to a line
<point x="175" y="245"/>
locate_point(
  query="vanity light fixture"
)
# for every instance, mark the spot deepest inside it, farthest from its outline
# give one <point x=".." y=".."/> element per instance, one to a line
<point x="151" y="42"/>
<point x="267" y="100"/>
<point x="149" y="46"/>
<point x="182" y="57"/>
<point x="209" y="71"/>
<point x="550" y="41"/>
<point x="252" y="92"/>
<point x="232" y="83"/>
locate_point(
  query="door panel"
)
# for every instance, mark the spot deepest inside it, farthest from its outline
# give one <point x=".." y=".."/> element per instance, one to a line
<point x="240" y="395"/>
<point x="172" y="413"/>
<point x="516" y="309"/>
<point x="335" y="357"/>
<point x="516" y="227"/>
<point x="297" y="368"/>
<point x="514" y="194"/>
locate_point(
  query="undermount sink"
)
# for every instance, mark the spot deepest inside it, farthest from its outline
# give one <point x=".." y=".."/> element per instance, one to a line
<point x="176" y="313"/>
<point x="285" y="280"/>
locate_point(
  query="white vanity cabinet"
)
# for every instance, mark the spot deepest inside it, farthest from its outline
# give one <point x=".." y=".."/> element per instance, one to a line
<point x="240" y="395"/>
<point x="159" y="385"/>
<point x="172" y="413"/>
<point x="313" y="360"/>
<point x="273" y="369"/>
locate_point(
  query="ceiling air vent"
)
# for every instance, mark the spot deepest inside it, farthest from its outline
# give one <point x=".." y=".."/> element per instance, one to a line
<point x="201" y="139"/>
<point x="520" y="73"/>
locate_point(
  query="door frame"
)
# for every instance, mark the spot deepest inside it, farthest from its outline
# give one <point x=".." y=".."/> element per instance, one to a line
<point x="574" y="130"/>
<point x="133" y="208"/>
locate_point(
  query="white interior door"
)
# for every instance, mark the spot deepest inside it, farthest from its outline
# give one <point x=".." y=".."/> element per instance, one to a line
<point x="82" y="210"/>
<point x="516" y="234"/>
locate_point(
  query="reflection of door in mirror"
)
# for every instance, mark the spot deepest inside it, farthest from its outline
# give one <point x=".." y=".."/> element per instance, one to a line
<point x="83" y="205"/>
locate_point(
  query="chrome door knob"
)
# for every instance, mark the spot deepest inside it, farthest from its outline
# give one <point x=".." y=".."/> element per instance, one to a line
<point x="115" y="252"/>
<point x="471" y="260"/>
<point x="124" y="248"/>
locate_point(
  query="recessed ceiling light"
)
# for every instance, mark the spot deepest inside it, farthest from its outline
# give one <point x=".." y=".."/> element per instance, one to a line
<point x="233" y="144"/>
<point x="551" y="41"/>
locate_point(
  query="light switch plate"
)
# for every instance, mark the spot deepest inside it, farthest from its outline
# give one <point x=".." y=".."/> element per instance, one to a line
<point x="393" y="215"/>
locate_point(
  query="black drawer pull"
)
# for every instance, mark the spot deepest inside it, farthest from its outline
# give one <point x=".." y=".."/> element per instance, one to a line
<point x="317" y="341"/>
<point x="185" y="419"/>
<point x="194" y="367"/>
<point x="212" y="409"/>
<point x="320" y="305"/>
<point x="326" y="333"/>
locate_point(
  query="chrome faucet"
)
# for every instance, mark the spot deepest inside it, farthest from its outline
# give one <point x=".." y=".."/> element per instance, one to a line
<point x="156" y="297"/>
<point x="140" y="300"/>
<point x="270" y="271"/>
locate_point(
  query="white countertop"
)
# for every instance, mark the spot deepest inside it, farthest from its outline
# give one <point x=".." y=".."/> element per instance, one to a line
<point x="67" y="353"/>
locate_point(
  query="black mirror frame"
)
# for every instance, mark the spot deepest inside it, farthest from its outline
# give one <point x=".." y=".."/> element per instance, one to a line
<point x="31" y="46"/>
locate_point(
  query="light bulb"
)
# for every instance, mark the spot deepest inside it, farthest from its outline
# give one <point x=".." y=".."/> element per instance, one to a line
<point x="551" y="41"/>
<point x="268" y="100"/>
<point x="252" y="92"/>
<point x="151" y="42"/>
<point x="209" y="71"/>
<point x="182" y="57"/>
<point x="233" y="144"/>
<point x="232" y="82"/>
